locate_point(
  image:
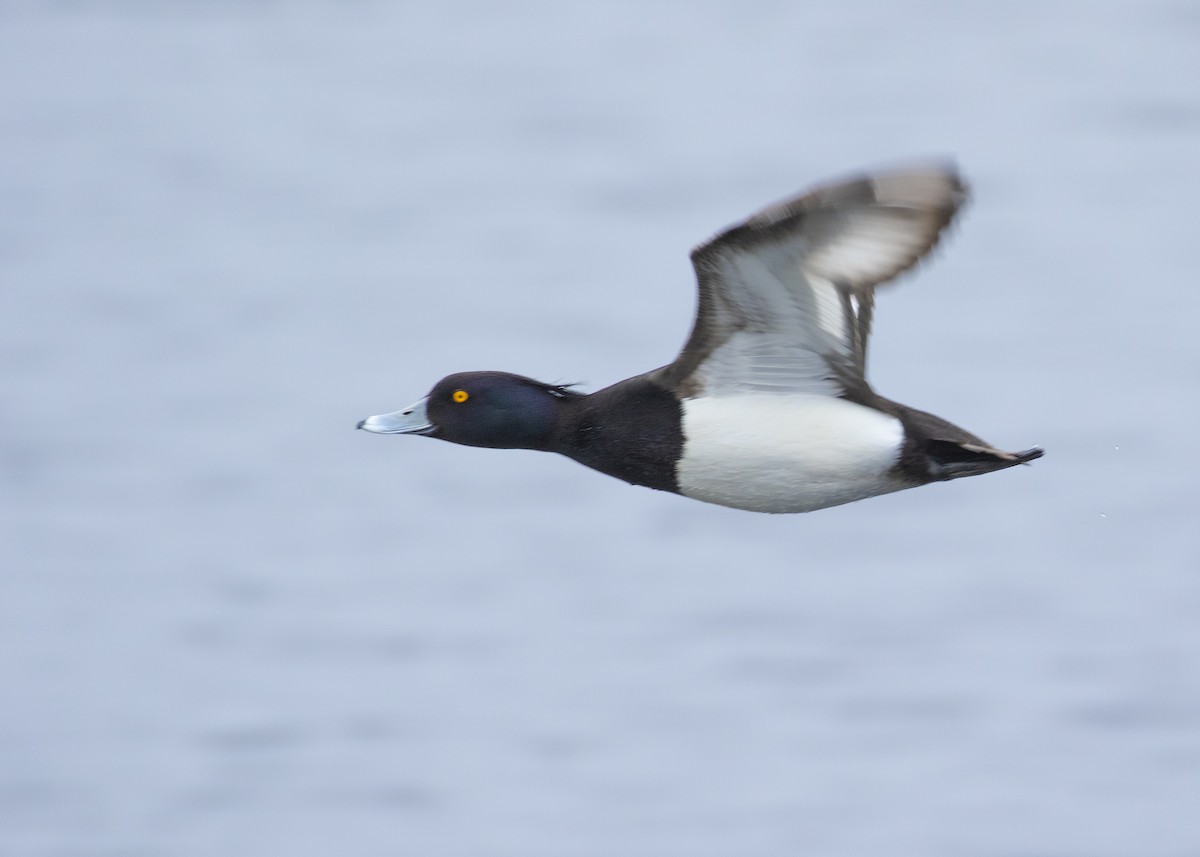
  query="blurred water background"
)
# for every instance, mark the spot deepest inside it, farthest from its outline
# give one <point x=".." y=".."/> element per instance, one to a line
<point x="230" y="624"/>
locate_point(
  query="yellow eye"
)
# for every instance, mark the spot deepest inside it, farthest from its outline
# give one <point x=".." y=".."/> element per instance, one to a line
<point x="459" y="396"/>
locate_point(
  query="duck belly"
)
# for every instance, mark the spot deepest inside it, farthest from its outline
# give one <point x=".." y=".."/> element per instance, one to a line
<point x="795" y="453"/>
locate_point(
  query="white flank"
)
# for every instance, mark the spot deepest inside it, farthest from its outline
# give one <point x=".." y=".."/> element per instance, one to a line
<point x="793" y="453"/>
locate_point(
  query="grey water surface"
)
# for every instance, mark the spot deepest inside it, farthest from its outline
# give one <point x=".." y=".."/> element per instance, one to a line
<point x="232" y="625"/>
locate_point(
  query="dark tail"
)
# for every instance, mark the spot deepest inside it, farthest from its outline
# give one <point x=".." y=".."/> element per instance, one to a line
<point x="953" y="460"/>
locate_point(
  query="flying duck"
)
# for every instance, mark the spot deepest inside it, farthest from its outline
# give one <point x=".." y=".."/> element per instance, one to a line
<point x="767" y="408"/>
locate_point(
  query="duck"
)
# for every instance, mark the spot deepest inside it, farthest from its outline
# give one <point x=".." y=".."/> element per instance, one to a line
<point x="767" y="408"/>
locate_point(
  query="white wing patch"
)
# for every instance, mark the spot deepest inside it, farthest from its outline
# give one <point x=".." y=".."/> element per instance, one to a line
<point x="795" y="324"/>
<point x="766" y="363"/>
<point x="869" y="244"/>
<point x="831" y="316"/>
<point x="787" y="295"/>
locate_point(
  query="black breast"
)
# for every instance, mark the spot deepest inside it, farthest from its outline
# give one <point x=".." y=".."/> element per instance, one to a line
<point x="631" y="430"/>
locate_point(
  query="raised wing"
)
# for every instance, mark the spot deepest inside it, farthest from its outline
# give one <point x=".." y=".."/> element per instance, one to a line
<point x="787" y="296"/>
